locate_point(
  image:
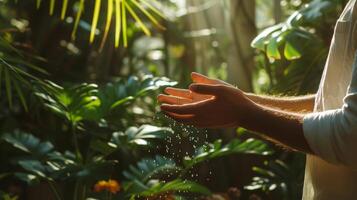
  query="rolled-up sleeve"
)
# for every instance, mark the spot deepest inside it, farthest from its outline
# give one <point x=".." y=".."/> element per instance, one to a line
<point x="332" y="135"/>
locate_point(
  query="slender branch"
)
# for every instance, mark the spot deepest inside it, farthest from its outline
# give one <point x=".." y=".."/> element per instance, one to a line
<point x="54" y="190"/>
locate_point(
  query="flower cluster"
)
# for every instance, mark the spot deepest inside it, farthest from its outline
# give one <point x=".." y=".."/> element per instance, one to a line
<point x="111" y="185"/>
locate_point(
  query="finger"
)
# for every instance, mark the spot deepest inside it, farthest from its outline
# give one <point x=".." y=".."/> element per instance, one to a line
<point x="206" y="124"/>
<point x="173" y="100"/>
<point x="190" y="109"/>
<point x="200" y="78"/>
<point x="207" y="89"/>
<point x="185" y="119"/>
<point x="179" y="92"/>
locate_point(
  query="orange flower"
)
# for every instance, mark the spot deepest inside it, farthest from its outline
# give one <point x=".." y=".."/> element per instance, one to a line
<point x="111" y="185"/>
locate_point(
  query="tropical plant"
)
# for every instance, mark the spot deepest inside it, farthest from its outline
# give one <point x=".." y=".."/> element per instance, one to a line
<point x="148" y="178"/>
<point x="282" y="178"/>
<point x="117" y="9"/>
<point x="292" y="54"/>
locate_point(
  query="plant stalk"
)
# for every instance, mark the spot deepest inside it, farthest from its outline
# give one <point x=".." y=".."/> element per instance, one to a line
<point x="54" y="190"/>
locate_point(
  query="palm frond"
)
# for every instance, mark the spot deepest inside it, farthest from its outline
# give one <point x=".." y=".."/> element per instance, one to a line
<point x="137" y="9"/>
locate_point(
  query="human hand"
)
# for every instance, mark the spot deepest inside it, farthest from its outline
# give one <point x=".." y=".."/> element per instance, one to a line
<point x="226" y="106"/>
<point x="185" y="96"/>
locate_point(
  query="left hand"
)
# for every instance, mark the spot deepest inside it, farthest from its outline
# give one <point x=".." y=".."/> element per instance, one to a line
<point x="225" y="107"/>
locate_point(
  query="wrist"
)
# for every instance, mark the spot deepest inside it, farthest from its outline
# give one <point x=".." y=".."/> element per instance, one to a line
<point x="246" y="112"/>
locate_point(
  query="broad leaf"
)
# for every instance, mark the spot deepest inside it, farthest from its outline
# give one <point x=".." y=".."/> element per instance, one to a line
<point x="217" y="149"/>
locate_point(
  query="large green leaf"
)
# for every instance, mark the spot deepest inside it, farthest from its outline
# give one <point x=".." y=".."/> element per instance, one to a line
<point x="148" y="169"/>
<point x="28" y="143"/>
<point x="71" y="103"/>
<point x="139" y="136"/>
<point x="217" y="149"/>
<point x="176" y="186"/>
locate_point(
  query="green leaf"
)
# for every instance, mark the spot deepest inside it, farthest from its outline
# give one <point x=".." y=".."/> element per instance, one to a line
<point x="216" y="150"/>
<point x="176" y="186"/>
<point x="52" y="6"/>
<point x="264" y="37"/>
<point x="78" y="18"/>
<point x="117" y="22"/>
<point x="28" y="143"/>
<point x="290" y="52"/>
<point x="148" y="169"/>
<point x="139" y="136"/>
<point x="27" y="178"/>
<point x="273" y="49"/>
<point x="96" y="13"/>
<point x="35" y="167"/>
<point x="64" y="9"/>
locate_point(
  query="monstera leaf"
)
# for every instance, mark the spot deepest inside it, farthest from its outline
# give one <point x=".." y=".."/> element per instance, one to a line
<point x="314" y="12"/>
<point x="294" y="37"/>
<point x="217" y="149"/>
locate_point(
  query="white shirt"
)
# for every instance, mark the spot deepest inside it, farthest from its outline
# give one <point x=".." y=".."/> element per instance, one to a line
<point x="331" y="130"/>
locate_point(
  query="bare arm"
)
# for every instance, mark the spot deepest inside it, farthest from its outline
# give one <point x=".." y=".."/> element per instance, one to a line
<point x="303" y="104"/>
<point x="284" y="127"/>
<point x="230" y="107"/>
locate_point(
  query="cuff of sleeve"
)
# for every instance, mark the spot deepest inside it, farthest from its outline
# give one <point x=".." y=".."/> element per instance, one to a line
<point x="318" y="133"/>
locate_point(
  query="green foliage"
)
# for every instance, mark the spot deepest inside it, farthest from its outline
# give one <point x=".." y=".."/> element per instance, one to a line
<point x="88" y="102"/>
<point x="176" y="186"/>
<point x="148" y="169"/>
<point x="14" y="71"/>
<point x="43" y="162"/>
<point x="293" y="53"/>
<point x="71" y="103"/>
<point x="5" y="196"/>
<point x="217" y="149"/>
<point x="28" y="143"/>
<point x="141" y="136"/>
<point x="117" y="9"/>
<point x="276" y="176"/>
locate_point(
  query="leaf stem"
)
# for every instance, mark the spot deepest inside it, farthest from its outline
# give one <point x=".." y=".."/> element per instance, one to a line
<point x="75" y="141"/>
<point x="54" y="190"/>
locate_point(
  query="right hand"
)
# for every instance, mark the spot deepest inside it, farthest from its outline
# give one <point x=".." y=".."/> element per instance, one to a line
<point x="177" y="96"/>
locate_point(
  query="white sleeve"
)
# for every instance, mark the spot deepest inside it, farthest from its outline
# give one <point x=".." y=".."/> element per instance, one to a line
<point x="332" y="135"/>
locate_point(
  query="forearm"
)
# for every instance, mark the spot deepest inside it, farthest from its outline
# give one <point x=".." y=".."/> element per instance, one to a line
<point x="304" y="104"/>
<point x="281" y="126"/>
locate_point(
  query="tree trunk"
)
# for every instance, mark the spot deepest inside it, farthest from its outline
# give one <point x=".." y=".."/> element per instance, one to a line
<point x="242" y="32"/>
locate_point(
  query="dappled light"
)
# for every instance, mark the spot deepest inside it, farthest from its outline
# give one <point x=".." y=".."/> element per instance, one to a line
<point x="157" y="99"/>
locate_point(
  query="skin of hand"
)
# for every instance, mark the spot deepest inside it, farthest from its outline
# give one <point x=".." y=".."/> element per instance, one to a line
<point x="215" y="104"/>
<point x="207" y="105"/>
<point x="302" y="104"/>
<point x="184" y="96"/>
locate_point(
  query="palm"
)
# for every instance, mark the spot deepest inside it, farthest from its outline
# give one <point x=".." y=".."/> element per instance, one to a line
<point x="184" y="96"/>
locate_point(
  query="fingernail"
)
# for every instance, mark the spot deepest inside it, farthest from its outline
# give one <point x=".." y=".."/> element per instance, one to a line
<point x="193" y="87"/>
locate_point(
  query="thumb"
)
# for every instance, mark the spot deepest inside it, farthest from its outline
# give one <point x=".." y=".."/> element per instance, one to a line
<point x="206" y="89"/>
<point x="200" y="78"/>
